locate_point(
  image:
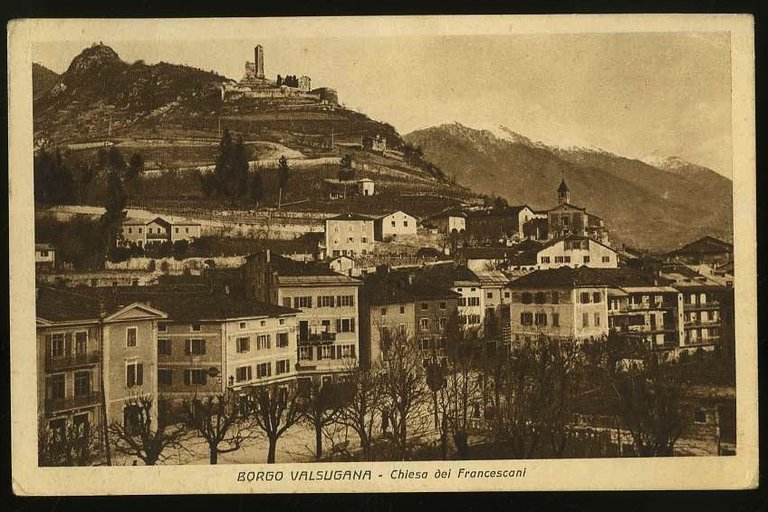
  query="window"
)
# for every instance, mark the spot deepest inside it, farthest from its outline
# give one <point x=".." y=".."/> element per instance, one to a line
<point x="282" y="339"/>
<point x="555" y="319"/>
<point x="541" y="319"/>
<point x="364" y="239"/>
<point x="282" y="366"/>
<point x="346" y="301"/>
<point x="302" y="302"/>
<point x="473" y="301"/>
<point x="194" y="347"/>
<point x="424" y="324"/>
<point x="327" y="352"/>
<point x="82" y="425"/>
<point x="383" y="311"/>
<point x="286" y="302"/>
<point x="130" y="231"/>
<point x="462" y="301"/>
<point x="195" y="327"/>
<point x="243" y="373"/>
<point x="140" y="230"/>
<point x="177" y="230"/>
<point x="164" y="376"/>
<point x="243" y="344"/>
<point x="281" y="321"/>
<point x="305" y="353"/>
<point x="132" y="419"/>
<point x="164" y="346"/>
<point x="130" y="336"/>
<point x="162" y="327"/>
<point x="345" y="325"/>
<point x="596" y="297"/>
<point x="56" y="386"/>
<point x="540" y="297"/>
<point x="347" y="351"/>
<point x="263" y="370"/>
<point x="545" y="259"/>
<point x="586" y="259"/>
<point x="243" y="325"/>
<point x="526" y="318"/>
<point x="567" y="259"/>
<point x="427" y="344"/>
<point x="555" y="297"/>
<point x="325" y="301"/>
<point x="585" y="320"/>
<point x="489" y="295"/>
<point x="263" y="342"/>
<point x="526" y="298"/>
<point x="443" y="322"/>
<point x="196" y="377"/>
<point x="597" y="319"/>
<point x="558" y="259"/>
<point x="134" y="374"/>
<point x="506" y="295"/>
<point x="424" y="306"/>
<point x="606" y="259"/>
<point x="585" y="297"/>
<point x="81" y="342"/>
<point x="443" y="305"/>
<point x="393" y="223"/>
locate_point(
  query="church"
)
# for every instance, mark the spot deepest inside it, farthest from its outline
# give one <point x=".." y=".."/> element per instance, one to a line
<point x="568" y="219"/>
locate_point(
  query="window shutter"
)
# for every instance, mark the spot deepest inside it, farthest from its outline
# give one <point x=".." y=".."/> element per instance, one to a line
<point x="202" y="346"/>
<point x="338" y="352"/>
<point x="319" y="352"/>
<point x="68" y="344"/>
<point x="128" y="376"/>
<point x="338" y="325"/>
<point x="351" y="325"/>
<point x="187" y="347"/>
<point x="310" y="301"/>
<point x="139" y="374"/>
<point x="186" y="377"/>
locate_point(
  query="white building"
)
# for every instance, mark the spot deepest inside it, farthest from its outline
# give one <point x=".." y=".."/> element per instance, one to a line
<point x="395" y="224"/>
<point x="45" y="255"/>
<point x="366" y="187"/>
<point x="575" y="251"/>
<point x="158" y="230"/>
<point x="349" y="234"/>
<point x="450" y="222"/>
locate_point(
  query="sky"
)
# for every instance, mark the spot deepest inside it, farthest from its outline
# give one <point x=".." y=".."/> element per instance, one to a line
<point x="641" y="95"/>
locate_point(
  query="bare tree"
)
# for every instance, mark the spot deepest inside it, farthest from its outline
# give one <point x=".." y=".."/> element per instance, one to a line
<point x="71" y="445"/>
<point x="461" y="393"/>
<point x="276" y="408"/>
<point x="220" y="421"/>
<point x="138" y="437"/>
<point x="404" y="385"/>
<point x="536" y="387"/>
<point x="362" y="405"/>
<point x="322" y="405"/>
<point x="651" y="407"/>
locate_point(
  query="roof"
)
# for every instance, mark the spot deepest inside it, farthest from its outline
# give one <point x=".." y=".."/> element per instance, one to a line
<point x="563" y="187"/>
<point x="567" y="277"/>
<point x="58" y="305"/>
<point x="450" y="212"/>
<point x="571" y="236"/>
<point x="569" y="205"/>
<point x="192" y="306"/>
<point x="397" y="287"/>
<point x="446" y="274"/>
<point x="492" y="278"/>
<point x="350" y="217"/>
<point x="704" y="245"/>
<point x="290" y="267"/>
<point x="44" y="247"/>
<point x="365" y="180"/>
<point x="318" y="280"/>
<point x="384" y="215"/>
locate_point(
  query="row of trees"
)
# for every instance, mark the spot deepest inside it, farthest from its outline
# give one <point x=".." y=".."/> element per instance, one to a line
<point x="522" y="401"/>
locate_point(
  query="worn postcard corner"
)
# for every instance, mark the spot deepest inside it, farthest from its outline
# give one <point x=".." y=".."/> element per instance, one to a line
<point x="405" y="254"/>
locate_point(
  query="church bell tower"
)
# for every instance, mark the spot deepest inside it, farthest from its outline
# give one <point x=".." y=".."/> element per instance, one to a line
<point x="563" y="193"/>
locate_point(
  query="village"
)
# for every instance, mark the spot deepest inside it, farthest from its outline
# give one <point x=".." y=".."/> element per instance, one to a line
<point x="358" y="330"/>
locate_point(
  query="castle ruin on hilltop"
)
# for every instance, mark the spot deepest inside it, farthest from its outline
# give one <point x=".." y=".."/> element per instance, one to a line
<point x="255" y="85"/>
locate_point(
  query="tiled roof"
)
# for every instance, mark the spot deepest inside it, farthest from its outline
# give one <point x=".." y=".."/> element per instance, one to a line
<point x="395" y="287"/>
<point x="318" y="280"/>
<point x="350" y="216"/>
<point x="58" y="305"/>
<point x="44" y="247"/>
<point x="566" y="277"/>
<point x="705" y="245"/>
<point x="492" y="278"/>
<point x="445" y="274"/>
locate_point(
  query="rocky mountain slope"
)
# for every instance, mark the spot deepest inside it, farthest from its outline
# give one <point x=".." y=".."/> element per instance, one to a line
<point x="100" y="96"/>
<point x="658" y="208"/>
<point x="42" y="79"/>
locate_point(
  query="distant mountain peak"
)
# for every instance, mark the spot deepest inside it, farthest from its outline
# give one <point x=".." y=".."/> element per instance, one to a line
<point x="95" y="56"/>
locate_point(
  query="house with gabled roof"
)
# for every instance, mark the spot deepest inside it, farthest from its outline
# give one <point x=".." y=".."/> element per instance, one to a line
<point x="158" y="230"/>
<point x="349" y="234"/>
<point x="393" y="225"/>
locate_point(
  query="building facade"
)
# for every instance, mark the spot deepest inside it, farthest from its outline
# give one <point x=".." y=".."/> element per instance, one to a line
<point x="349" y="234"/>
<point x="575" y="251"/>
<point x="157" y="230"/>
<point x="395" y="224"/>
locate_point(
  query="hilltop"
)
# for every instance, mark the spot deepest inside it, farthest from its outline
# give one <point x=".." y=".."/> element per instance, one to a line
<point x="643" y="205"/>
<point x="101" y="96"/>
<point x="42" y="79"/>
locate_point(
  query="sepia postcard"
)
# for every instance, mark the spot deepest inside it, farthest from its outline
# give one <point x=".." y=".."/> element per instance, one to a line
<point x="382" y="254"/>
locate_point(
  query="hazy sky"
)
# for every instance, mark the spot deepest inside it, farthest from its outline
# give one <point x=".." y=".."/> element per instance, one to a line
<point x="636" y="94"/>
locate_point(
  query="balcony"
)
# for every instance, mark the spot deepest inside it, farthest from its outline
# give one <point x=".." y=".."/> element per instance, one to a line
<point x="53" y="405"/>
<point x="317" y="338"/>
<point x="710" y="340"/>
<point x="649" y="306"/>
<point x="699" y="306"/>
<point x="53" y="363"/>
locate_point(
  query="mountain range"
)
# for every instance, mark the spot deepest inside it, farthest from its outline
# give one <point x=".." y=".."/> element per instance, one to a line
<point x="656" y="207"/>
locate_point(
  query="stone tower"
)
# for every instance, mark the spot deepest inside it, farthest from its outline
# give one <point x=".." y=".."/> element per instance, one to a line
<point x="563" y="193"/>
<point x="259" y="60"/>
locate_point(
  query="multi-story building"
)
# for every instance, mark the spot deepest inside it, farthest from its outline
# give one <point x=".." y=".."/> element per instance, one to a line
<point x="158" y="230"/>
<point x="92" y="356"/>
<point x="450" y="222"/>
<point x="706" y="250"/>
<point x="395" y="303"/>
<point x="496" y="298"/>
<point x="563" y="303"/>
<point x="575" y="251"/>
<point x="327" y="331"/>
<point x="501" y="223"/>
<point x="395" y="224"/>
<point x="459" y="279"/>
<point x="45" y="256"/>
<point x="349" y="234"/>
